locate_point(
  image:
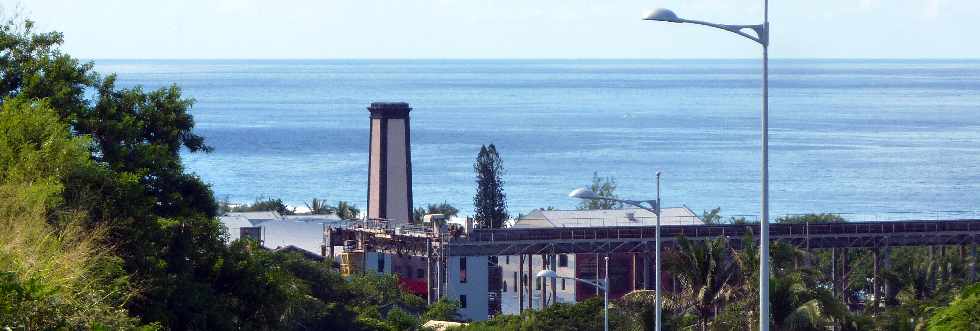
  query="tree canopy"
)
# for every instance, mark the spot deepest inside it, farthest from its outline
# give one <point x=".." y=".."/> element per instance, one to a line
<point x="490" y="202"/>
<point x="604" y="187"/>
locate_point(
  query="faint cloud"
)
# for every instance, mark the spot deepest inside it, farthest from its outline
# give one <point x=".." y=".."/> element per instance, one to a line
<point x="234" y="6"/>
<point x="868" y="5"/>
<point x="932" y="9"/>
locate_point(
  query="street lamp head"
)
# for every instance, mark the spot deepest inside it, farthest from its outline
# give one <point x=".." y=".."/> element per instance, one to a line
<point x="546" y="274"/>
<point x="664" y="15"/>
<point x="583" y="193"/>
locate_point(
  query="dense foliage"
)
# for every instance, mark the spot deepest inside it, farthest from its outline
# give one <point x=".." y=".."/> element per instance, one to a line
<point x="272" y="204"/>
<point x="50" y="277"/>
<point x="102" y="227"/>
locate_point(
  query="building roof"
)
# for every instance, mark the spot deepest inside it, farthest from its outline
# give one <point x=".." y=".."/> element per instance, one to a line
<point x="312" y="218"/>
<point x="257" y="215"/>
<point x="302" y="231"/>
<point x="606" y="217"/>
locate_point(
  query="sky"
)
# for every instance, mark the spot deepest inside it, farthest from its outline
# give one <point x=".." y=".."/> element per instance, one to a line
<point x="466" y="29"/>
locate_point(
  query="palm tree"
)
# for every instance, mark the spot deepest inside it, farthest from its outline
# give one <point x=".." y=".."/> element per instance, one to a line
<point x="637" y="310"/>
<point x="346" y="211"/>
<point x="707" y="272"/>
<point x="798" y="304"/>
<point x="319" y="207"/>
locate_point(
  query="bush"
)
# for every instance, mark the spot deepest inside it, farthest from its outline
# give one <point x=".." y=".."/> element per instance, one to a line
<point x="50" y="277"/>
<point x="961" y="314"/>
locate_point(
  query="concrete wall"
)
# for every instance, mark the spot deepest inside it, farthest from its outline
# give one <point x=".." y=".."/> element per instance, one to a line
<point x="397" y="173"/>
<point x="372" y="264"/>
<point x="475" y="288"/>
<point x="374" y="172"/>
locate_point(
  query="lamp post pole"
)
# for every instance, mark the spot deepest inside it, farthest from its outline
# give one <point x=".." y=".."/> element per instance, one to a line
<point x="764" y="224"/>
<point x="762" y="37"/>
<point x="657" y="310"/>
<point x="605" y="299"/>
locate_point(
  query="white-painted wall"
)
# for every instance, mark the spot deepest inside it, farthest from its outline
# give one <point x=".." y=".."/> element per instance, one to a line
<point x="475" y="289"/>
<point x="510" y="298"/>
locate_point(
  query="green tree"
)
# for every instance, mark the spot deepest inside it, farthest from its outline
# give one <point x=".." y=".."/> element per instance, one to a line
<point x="490" y="201"/>
<point x="707" y="273"/>
<point x="442" y="310"/>
<point x="51" y="277"/>
<point x="796" y="303"/>
<point x="963" y="313"/>
<point x="603" y="187"/>
<point x="347" y="211"/>
<point x="810" y="218"/>
<point x="585" y="315"/>
<point x="266" y="204"/>
<point x="319" y="207"/>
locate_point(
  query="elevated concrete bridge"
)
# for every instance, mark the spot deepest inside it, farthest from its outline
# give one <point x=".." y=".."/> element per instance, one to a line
<point x="488" y="242"/>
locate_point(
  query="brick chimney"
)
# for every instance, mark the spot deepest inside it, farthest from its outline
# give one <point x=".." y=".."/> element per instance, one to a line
<point x="390" y="163"/>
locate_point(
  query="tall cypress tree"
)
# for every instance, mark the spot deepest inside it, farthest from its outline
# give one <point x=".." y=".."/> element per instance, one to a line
<point x="490" y="201"/>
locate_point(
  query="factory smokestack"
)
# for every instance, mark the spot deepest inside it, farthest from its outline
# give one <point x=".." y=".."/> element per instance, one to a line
<point x="390" y="163"/>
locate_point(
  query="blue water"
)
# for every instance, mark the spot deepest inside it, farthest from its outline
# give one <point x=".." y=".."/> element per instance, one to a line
<point x="848" y="136"/>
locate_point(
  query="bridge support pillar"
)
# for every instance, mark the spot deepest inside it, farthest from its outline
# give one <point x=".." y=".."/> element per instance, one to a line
<point x="876" y="280"/>
<point x="530" y="282"/>
<point x="597" y="272"/>
<point x="520" y="283"/>
<point x="973" y="271"/>
<point x="886" y="261"/>
<point x="833" y="270"/>
<point x="428" y="271"/>
<point x="646" y="266"/>
<point x="553" y="264"/>
<point x="844" y="269"/>
<point x="544" y="284"/>
<point x="634" y="272"/>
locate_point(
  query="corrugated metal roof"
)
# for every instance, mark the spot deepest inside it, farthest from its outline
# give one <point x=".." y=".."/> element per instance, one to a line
<point x="606" y="217"/>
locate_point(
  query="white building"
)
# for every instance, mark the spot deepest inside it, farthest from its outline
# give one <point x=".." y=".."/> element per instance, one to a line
<point x="625" y="270"/>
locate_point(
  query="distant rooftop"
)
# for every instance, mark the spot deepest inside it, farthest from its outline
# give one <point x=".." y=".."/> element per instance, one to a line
<point x="300" y="231"/>
<point x="606" y="217"/>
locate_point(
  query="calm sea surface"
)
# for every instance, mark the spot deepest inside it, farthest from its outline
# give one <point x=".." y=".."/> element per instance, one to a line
<point x="866" y="137"/>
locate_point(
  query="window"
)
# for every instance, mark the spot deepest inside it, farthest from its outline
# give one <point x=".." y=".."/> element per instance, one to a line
<point x="462" y="301"/>
<point x="381" y="263"/>
<point x="507" y="259"/>
<point x="504" y="287"/>
<point x="419" y="273"/>
<point x="563" y="260"/>
<point x="537" y="283"/>
<point x="562" y="284"/>
<point x="462" y="270"/>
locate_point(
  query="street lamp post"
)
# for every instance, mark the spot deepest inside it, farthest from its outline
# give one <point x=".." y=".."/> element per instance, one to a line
<point x="604" y="286"/>
<point x="587" y="194"/>
<point x="762" y="37"/>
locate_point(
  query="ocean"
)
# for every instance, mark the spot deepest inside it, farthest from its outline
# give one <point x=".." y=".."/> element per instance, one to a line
<point x="869" y="139"/>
